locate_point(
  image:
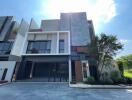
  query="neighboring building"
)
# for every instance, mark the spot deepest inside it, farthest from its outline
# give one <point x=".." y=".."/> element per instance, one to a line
<point x="8" y="33"/>
<point x="58" y="51"/>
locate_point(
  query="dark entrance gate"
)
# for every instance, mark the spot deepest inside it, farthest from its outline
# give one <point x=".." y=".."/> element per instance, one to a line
<point x="44" y="71"/>
<point x="51" y="72"/>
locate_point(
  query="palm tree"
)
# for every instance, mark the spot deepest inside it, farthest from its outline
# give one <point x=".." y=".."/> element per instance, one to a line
<point x="107" y="46"/>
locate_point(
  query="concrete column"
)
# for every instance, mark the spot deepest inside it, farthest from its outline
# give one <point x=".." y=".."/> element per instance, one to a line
<point x="31" y="73"/>
<point x="57" y="47"/>
<point x="69" y="43"/>
<point x="16" y="71"/>
<point x="70" y="70"/>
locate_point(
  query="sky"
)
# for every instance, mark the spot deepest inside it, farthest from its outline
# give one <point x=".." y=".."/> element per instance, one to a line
<point x="109" y="16"/>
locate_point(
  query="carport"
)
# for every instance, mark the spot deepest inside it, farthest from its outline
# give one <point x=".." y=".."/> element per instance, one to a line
<point x="46" y="69"/>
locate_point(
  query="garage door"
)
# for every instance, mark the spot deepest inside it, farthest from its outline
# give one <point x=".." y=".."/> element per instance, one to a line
<point x="51" y="72"/>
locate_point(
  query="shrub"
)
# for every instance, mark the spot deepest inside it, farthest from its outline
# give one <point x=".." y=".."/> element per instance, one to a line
<point x="128" y="80"/>
<point x="90" y="80"/>
<point x="120" y="66"/>
<point x="106" y="81"/>
<point x="115" y="76"/>
<point x="122" y="80"/>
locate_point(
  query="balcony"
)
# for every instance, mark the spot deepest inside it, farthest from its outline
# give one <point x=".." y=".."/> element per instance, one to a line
<point x="47" y="43"/>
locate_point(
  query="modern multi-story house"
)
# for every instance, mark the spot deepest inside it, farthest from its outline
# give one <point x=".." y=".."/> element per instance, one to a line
<point x="58" y="51"/>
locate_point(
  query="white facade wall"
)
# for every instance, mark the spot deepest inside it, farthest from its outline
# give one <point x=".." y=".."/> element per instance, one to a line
<point x="33" y="24"/>
<point x="53" y="43"/>
<point x="54" y="36"/>
<point x="10" y="65"/>
<point x="19" y="43"/>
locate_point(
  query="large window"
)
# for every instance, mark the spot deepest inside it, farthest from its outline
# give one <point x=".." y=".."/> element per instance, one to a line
<point x="39" y="46"/>
<point x="61" y="46"/>
<point x="5" y="47"/>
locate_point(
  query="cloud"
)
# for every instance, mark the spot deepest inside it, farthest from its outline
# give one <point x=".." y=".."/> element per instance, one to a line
<point x="125" y="41"/>
<point x="100" y="11"/>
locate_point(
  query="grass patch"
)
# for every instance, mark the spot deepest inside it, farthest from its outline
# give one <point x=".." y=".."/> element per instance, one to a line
<point x="128" y="73"/>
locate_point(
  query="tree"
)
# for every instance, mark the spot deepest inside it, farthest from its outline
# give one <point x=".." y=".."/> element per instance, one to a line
<point x="126" y="60"/>
<point x="108" y="46"/>
<point x="121" y="68"/>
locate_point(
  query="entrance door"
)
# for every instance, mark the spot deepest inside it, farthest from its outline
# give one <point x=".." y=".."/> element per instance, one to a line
<point x="85" y="70"/>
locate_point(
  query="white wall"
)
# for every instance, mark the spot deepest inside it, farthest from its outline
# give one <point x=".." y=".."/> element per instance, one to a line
<point x="10" y="65"/>
<point x="33" y="24"/>
<point x="20" y="39"/>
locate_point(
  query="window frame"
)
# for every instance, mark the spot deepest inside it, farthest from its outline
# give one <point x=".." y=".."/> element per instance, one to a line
<point x="40" y="49"/>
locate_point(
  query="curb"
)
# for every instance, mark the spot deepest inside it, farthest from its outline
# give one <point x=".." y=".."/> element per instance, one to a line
<point x="101" y="86"/>
<point x="42" y="82"/>
<point x="5" y="83"/>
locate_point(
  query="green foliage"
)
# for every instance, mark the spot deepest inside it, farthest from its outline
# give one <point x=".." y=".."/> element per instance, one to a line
<point x="103" y="48"/>
<point x="128" y="80"/>
<point x="105" y="79"/>
<point x="108" y="45"/>
<point x="90" y="80"/>
<point x="126" y="60"/>
<point x="128" y="73"/>
<point x="115" y="76"/>
<point x="120" y="66"/>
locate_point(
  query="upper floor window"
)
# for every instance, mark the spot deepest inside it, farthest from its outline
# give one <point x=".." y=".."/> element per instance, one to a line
<point x="5" y="47"/>
<point x="61" y="46"/>
<point x="39" y="46"/>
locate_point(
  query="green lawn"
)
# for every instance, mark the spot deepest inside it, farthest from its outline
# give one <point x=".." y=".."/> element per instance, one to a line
<point x="128" y="73"/>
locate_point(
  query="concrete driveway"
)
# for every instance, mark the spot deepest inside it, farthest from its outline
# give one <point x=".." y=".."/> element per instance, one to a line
<point x="59" y="91"/>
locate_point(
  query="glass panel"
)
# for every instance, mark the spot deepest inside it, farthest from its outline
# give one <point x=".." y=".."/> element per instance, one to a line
<point x="39" y="46"/>
<point x="36" y="45"/>
<point x="61" y="46"/>
<point x="61" y="51"/>
<point x="5" y="47"/>
<point x="84" y="70"/>
<point x="1" y="46"/>
<point x="11" y="43"/>
<point x="30" y="45"/>
<point x="48" y="45"/>
<point x="42" y="45"/>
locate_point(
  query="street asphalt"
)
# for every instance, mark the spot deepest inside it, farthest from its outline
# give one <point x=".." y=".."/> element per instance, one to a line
<point x="59" y="91"/>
